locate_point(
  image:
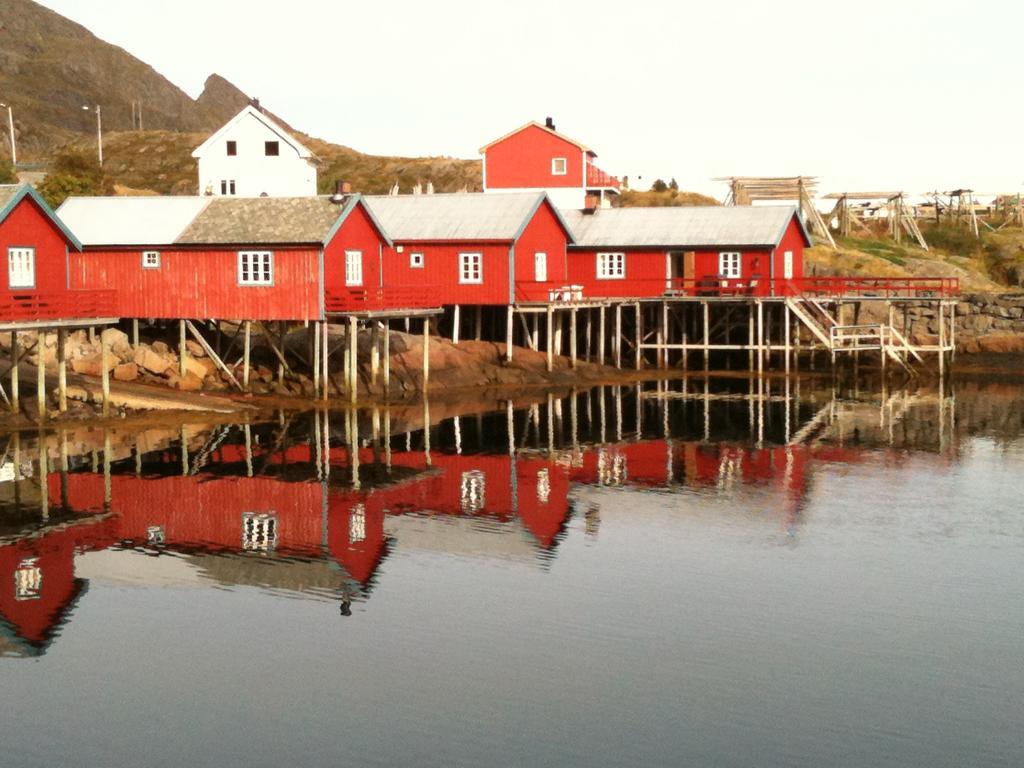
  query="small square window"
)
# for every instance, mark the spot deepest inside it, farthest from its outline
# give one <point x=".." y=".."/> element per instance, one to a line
<point x="416" y="260"/>
<point x="559" y="166"/>
<point x="730" y="264"/>
<point x="232" y="148"/>
<point x="255" y="268"/>
<point x="151" y="259"/>
<point x="471" y="268"/>
<point x="227" y="186"/>
<point x="271" y="148"/>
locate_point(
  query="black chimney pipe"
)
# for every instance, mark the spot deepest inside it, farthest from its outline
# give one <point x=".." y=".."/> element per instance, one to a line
<point x="549" y="122"/>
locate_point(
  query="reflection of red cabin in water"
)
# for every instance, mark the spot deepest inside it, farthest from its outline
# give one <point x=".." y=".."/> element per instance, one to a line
<point x="38" y="587"/>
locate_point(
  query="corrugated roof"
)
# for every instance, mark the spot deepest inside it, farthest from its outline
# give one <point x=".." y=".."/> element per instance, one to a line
<point x="256" y="220"/>
<point x="681" y="227"/>
<point x="461" y="217"/>
<point x="130" y="220"/>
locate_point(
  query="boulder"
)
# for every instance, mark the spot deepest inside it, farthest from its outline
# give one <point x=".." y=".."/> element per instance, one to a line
<point x="190" y="382"/>
<point x="160" y="348"/>
<point x="126" y="372"/>
<point x="195" y="348"/>
<point x="151" y="360"/>
<point x="92" y="365"/>
<point x="114" y="338"/>
<point x="195" y="367"/>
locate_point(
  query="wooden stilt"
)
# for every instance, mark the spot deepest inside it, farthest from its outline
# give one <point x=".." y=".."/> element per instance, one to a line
<point x="105" y="373"/>
<point x="550" y="339"/>
<point x="387" y="358"/>
<point x="663" y="362"/>
<point x="426" y="366"/>
<point x="760" y="337"/>
<point x="572" y="337"/>
<point x="478" y="323"/>
<point x="316" y="360"/>
<point x="246" y="347"/>
<point x="600" y="335"/>
<point x="788" y="335"/>
<point x="588" y="335"/>
<point x="617" y="341"/>
<point x="559" y="322"/>
<point x="40" y="378"/>
<point x="707" y="334"/>
<point x="212" y="355"/>
<point x="62" y="370"/>
<point x="455" y="325"/>
<point x="135" y="331"/>
<point x="374" y="355"/>
<point x="750" y="338"/>
<point x="509" y="327"/>
<point x="182" y="349"/>
<point x="15" y="405"/>
<point x="639" y="336"/>
<point x="325" y="351"/>
<point x="353" y="359"/>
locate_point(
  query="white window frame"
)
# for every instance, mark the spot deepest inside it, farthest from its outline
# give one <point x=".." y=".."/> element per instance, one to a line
<point x="787" y="265"/>
<point x="416" y="260"/>
<point x="21" y="267"/>
<point x="353" y="268"/>
<point x="151" y="259"/>
<point x="468" y="273"/>
<point x="259" y="531"/>
<point x="730" y="265"/>
<point x="611" y="265"/>
<point x="559" y="166"/>
<point x="255" y="268"/>
<point x="540" y="267"/>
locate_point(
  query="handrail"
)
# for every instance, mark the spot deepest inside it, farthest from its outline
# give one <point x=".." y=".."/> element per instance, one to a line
<point x="29" y="306"/>
<point x="363" y="298"/>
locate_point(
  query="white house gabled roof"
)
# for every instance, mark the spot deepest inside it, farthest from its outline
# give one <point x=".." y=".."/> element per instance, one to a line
<point x="682" y="227"/>
<point x="459" y="217"/>
<point x="252" y="112"/>
<point x="130" y="220"/>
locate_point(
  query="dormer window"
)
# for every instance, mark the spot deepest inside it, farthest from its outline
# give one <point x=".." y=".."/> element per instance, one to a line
<point x="271" y="148"/>
<point x="232" y="148"/>
<point x="559" y="166"/>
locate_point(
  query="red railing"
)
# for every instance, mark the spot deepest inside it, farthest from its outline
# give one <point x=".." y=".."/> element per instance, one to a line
<point x="29" y="306"/>
<point x="884" y="287"/>
<point x="364" y="299"/>
<point x="598" y="178"/>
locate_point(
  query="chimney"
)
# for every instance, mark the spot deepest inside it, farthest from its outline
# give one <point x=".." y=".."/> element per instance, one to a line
<point x="341" y="188"/>
<point x="549" y="122"/>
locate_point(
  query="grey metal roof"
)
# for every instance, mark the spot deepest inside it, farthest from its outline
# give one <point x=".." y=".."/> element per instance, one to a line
<point x="130" y="220"/>
<point x="265" y="220"/>
<point x="683" y="227"/>
<point x="460" y="217"/>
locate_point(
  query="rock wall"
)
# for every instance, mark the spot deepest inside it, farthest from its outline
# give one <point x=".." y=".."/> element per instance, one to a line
<point x="985" y="322"/>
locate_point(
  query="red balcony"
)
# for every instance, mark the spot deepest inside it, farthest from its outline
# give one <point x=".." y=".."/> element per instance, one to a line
<point x="597" y="178"/>
<point x="365" y="299"/>
<point x="67" y="305"/>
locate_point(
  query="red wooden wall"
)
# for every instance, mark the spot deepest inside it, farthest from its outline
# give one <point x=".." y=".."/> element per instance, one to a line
<point x="524" y="160"/>
<point x="202" y="284"/>
<point x="544" y="234"/>
<point x="357" y="233"/>
<point x="440" y="272"/>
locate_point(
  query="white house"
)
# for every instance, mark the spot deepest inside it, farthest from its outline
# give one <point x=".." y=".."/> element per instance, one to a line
<point x="252" y="156"/>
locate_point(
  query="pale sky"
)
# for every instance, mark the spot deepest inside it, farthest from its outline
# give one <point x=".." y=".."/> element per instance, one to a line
<point x="874" y="94"/>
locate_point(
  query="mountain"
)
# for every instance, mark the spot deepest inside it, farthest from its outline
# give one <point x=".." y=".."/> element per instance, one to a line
<point x="50" y="67"/>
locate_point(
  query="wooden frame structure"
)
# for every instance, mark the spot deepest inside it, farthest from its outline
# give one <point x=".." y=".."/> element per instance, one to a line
<point x="900" y="216"/>
<point x="746" y="190"/>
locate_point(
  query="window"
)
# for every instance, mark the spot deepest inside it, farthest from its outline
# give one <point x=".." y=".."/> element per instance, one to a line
<point x="151" y="259"/>
<point x="21" y="267"/>
<point x="357" y="524"/>
<point x="255" y="268"/>
<point x="559" y="166"/>
<point x="787" y="265"/>
<point x="471" y="268"/>
<point x="227" y="186"/>
<point x="543" y="486"/>
<point x="271" y="148"/>
<point x="472" y="490"/>
<point x="259" y="532"/>
<point x="28" y="579"/>
<point x="611" y="266"/>
<point x="353" y="267"/>
<point x="730" y="264"/>
<point x="416" y="260"/>
<point x="232" y="148"/>
<point x="540" y="267"/>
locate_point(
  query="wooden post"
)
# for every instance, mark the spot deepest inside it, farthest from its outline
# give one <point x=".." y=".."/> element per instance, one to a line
<point x="15" y="407"/>
<point x="387" y="358"/>
<point x="182" y="350"/>
<point x="325" y="351"/>
<point x="374" y="354"/>
<point x="246" y="346"/>
<point x="40" y="378"/>
<point x="478" y="324"/>
<point x="316" y="360"/>
<point x="788" y="334"/>
<point x="760" y="337"/>
<point x="105" y="371"/>
<point x="572" y="337"/>
<point x="62" y="370"/>
<point x="353" y="359"/>
<point x="559" y="322"/>
<point x="617" y="341"/>
<point x="549" y="340"/>
<point x="664" y="333"/>
<point x="750" y="337"/>
<point x="600" y="335"/>
<point x="508" y="331"/>
<point x="455" y="325"/>
<point x="135" y="331"/>
<point x="588" y="336"/>
<point x="942" y="338"/>
<point x="639" y="336"/>
<point x="426" y="368"/>
<point x="707" y="333"/>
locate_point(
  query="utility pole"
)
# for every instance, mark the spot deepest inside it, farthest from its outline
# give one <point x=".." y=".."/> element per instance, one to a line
<point x="10" y="122"/>
<point x="99" y="131"/>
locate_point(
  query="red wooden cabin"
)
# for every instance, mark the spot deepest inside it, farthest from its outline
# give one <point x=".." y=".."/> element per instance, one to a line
<point x="475" y="249"/>
<point x="693" y="251"/>
<point x="536" y="156"/>
<point x="230" y="258"/>
<point x="36" y="246"/>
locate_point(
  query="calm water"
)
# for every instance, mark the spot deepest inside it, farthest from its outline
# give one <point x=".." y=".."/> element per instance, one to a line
<point x="724" y="576"/>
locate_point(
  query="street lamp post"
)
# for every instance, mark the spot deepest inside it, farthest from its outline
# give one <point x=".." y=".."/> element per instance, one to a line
<point x="10" y="122"/>
<point x="99" y="131"/>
